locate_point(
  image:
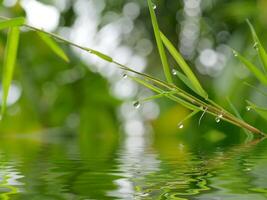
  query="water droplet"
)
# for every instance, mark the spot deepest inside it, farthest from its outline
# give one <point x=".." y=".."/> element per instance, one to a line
<point x="180" y="126"/>
<point x="124" y="76"/>
<point x="136" y="104"/>
<point x="218" y="119"/>
<point x="256" y="46"/>
<point x="247" y="169"/>
<point x="235" y="53"/>
<point x="248" y="108"/>
<point x="154" y="6"/>
<point x="174" y="72"/>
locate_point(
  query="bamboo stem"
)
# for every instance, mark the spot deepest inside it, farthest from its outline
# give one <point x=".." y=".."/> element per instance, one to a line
<point x="211" y="108"/>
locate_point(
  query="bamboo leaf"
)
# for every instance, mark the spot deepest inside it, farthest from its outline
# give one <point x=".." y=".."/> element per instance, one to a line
<point x="12" y="22"/>
<point x="101" y="55"/>
<point x="168" y="95"/>
<point x="9" y="63"/>
<point x="249" y="134"/>
<point x="184" y="66"/>
<point x="53" y="46"/>
<point x="163" y="94"/>
<point x="258" y="46"/>
<point x="161" y="50"/>
<point x="256" y="89"/>
<point x="181" y="123"/>
<point x="185" y="80"/>
<point x="252" y="68"/>
<point x="260" y="110"/>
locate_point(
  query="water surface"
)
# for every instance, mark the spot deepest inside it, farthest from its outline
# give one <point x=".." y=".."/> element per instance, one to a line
<point x="57" y="167"/>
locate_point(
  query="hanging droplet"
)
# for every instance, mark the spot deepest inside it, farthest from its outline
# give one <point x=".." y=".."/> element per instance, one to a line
<point x="180" y="125"/>
<point x="248" y="108"/>
<point x="154" y="6"/>
<point x="256" y="46"/>
<point x="235" y="53"/>
<point x="174" y="72"/>
<point x="220" y="115"/>
<point x="124" y="76"/>
<point x="136" y="104"/>
<point x="218" y="119"/>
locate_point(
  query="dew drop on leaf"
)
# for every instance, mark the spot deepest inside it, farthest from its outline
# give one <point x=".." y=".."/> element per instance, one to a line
<point x="174" y="72"/>
<point x="136" y="104"/>
<point x="218" y="119"/>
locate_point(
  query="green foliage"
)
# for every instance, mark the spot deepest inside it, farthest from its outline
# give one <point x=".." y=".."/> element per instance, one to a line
<point x="262" y="77"/>
<point x="53" y="46"/>
<point x="260" y="110"/>
<point x="162" y="53"/>
<point x="252" y="68"/>
<point x="166" y="89"/>
<point x="12" y="22"/>
<point x="9" y="63"/>
<point x="258" y="46"/>
<point x="184" y="66"/>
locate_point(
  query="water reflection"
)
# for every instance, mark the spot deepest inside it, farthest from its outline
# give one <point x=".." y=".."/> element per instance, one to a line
<point x="58" y="167"/>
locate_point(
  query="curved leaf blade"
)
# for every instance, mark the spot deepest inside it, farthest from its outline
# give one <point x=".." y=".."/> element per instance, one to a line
<point x="161" y="50"/>
<point x="260" y="110"/>
<point x="53" y="46"/>
<point x="258" y="46"/>
<point x="186" y="81"/>
<point x="9" y="63"/>
<point x="252" y="68"/>
<point x="184" y="66"/>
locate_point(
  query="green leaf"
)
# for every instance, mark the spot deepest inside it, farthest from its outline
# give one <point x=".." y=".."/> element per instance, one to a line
<point x="12" y="22"/>
<point x="258" y="46"/>
<point x="249" y="134"/>
<point x="194" y="112"/>
<point x="256" y="89"/>
<point x="252" y="68"/>
<point x="165" y="93"/>
<point x="184" y="66"/>
<point x="101" y="55"/>
<point x="9" y="63"/>
<point x="260" y="110"/>
<point x="53" y="46"/>
<point x="185" y="80"/>
<point x="161" y="50"/>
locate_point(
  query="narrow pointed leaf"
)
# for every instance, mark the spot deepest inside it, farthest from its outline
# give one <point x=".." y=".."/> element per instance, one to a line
<point x="150" y="98"/>
<point x="249" y="134"/>
<point x="193" y="113"/>
<point x="53" y="46"/>
<point x="12" y="22"/>
<point x="161" y="50"/>
<point x="9" y="63"/>
<point x="160" y="91"/>
<point x="256" y="89"/>
<point x="186" y="81"/>
<point x="258" y="46"/>
<point x="184" y="66"/>
<point x="101" y="55"/>
<point x="252" y="68"/>
<point x="260" y="110"/>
